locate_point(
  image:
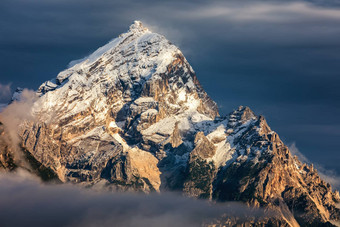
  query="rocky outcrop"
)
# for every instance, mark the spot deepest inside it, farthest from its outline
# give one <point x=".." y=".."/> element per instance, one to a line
<point x="203" y="147"/>
<point x="135" y="170"/>
<point x="133" y="116"/>
<point x="200" y="173"/>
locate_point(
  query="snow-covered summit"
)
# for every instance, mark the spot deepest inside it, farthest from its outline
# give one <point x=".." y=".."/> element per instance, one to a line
<point x="136" y="29"/>
<point x="135" y="64"/>
<point x="146" y="51"/>
<point x="138" y="26"/>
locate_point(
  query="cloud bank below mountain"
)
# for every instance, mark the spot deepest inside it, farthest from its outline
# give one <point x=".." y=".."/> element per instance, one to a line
<point x="27" y="202"/>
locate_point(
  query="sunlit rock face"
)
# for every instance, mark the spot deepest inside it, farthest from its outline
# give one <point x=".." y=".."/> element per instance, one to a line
<point x="133" y="116"/>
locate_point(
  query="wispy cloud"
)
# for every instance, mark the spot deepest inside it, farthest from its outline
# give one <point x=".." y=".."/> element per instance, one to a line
<point x="5" y="92"/>
<point x="259" y="11"/>
<point x="295" y="151"/>
<point x="329" y="176"/>
<point x="13" y="115"/>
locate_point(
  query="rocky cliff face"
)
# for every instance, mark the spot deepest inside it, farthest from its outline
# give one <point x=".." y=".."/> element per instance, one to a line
<point x="133" y="116"/>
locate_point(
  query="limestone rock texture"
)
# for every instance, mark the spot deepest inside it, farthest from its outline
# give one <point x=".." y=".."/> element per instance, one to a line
<point x="132" y="116"/>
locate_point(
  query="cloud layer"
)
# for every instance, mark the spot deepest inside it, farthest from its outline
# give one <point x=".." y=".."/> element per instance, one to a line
<point x="26" y="202"/>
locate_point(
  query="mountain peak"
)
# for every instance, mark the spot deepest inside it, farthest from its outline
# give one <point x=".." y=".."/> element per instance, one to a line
<point x="138" y="26"/>
<point x="137" y="64"/>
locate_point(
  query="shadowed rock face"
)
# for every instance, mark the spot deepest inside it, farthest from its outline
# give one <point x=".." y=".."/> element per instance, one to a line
<point x="133" y="116"/>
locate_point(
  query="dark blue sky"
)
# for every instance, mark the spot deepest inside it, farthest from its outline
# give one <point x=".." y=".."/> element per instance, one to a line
<point x="281" y="58"/>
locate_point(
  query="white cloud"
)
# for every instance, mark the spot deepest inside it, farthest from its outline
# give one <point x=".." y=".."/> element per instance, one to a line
<point x="15" y="114"/>
<point x="259" y="11"/>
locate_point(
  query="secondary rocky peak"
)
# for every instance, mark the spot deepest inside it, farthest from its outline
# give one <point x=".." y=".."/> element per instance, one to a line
<point x="240" y="116"/>
<point x="246" y="113"/>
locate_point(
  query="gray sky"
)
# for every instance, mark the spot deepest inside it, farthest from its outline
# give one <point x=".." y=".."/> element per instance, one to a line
<point x="280" y="58"/>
